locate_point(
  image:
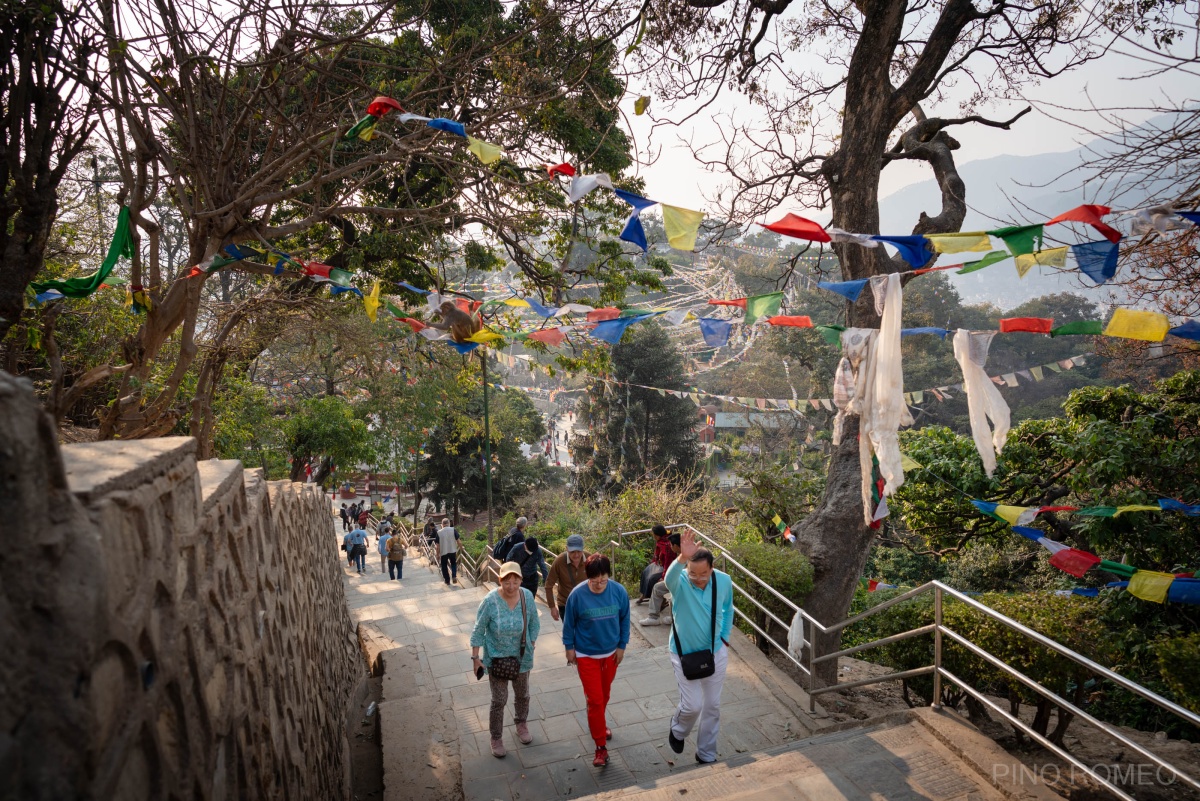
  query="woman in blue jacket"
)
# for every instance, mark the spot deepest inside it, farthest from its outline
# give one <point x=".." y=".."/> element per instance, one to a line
<point x="595" y="633"/>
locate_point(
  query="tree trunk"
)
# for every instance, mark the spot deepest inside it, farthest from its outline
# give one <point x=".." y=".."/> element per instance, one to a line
<point x="836" y="541"/>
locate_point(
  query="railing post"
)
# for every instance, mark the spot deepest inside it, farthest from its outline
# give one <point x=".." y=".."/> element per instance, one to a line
<point x="812" y="675"/>
<point x="937" y="647"/>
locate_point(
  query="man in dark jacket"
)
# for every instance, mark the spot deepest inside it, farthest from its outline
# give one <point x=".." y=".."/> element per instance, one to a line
<point x="528" y="554"/>
<point x="516" y="535"/>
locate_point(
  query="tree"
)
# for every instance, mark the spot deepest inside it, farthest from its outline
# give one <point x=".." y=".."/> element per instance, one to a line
<point x="45" y="124"/>
<point x="637" y="433"/>
<point x="326" y="431"/>
<point x="884" y="64"/>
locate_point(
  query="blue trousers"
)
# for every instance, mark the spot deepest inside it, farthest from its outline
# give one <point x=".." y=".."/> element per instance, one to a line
<point x="395" y="569"/>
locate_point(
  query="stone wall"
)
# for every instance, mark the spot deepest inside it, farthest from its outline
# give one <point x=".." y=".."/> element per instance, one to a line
<point x="169" y="629"/>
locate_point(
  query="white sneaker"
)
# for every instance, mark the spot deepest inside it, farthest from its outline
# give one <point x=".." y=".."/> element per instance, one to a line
<point x="650" y="621"/>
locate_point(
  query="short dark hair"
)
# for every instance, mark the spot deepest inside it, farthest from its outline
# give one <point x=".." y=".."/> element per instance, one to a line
<point x="659" y="531"/>
<point x="531" y="545"/>
<point x="673" y="539"/>
<point x="597" y="565"/>
<point x="702" y="555"/>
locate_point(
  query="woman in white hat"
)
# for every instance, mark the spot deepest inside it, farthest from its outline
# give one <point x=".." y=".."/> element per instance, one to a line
<point x="506" y="627"/>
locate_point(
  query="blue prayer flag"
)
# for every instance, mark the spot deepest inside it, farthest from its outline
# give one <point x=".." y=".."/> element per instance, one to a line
<point x="1097" y="260"/>
<point x="610" y="331"/>
<point x="462" y="347"/>
<point x="1187" y="330"/>
<point x="1171" y="505"/>
<point x="913" y="249"/>
<point x="637" y="201"/>
<point x="48" y="295"/>
<point x="1086" y="592"/>
<point x="335" y="290"/>
<point x="412" y="288"/>
<point x="908" y="332"/>
<point x="1029" y="532"/>
<point x="716" y="332"/>
<point x="850" y="290"/>
<point x="1191" y="216"/>
<point x="987" y="507"/>
<point x="1184" y="591"/>
<point x="539" y="309"/>
<point x="1118" y="585"/>
<point x="449" y="126"/>
<point x="634" y="233"/>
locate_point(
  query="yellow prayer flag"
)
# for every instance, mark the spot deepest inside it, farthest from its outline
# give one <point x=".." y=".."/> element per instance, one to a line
<point x="1135" y="324"/>
<point x="975" y="241"/>
<point x="1138" y="507"/>
<point x="519" y="303"/>
<point x="483" y="336"/>
<point x="371" y="302"/>
<point x="486" y="152"/>
<point x="1054" y="257"/>
<point x="908" y="463"/>
<point x="1150" y="586"/>
<point x="1010" y="514"/>
<point x="682" y="226"/>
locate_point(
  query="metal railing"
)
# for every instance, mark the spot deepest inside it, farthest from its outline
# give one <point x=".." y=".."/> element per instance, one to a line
<point x="940" y="631"/>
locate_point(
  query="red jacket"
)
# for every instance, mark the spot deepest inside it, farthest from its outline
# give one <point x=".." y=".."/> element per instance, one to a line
<point x="663" y="554"/>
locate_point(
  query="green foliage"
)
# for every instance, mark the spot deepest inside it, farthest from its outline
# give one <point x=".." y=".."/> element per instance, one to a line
<point x="785" y="569"/>
<point x="1177" y="661"/>
<point x="325" y="427"/>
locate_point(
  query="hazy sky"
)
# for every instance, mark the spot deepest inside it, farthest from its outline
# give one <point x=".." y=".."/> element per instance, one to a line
<point x="677" y="178"/>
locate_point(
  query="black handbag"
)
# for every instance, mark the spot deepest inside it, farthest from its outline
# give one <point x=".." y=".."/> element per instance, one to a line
<point x="699" y="664"/>
<point x="507" y="668"/>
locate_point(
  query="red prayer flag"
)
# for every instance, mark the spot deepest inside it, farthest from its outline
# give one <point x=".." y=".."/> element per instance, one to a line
<point x="1091" y="215"/>
<point x="1074" y="561"/>
<point x="872" y="585"/>
<point x="738" y="302"/>
<point x="316" y="268"/>
<point x="797" y="321"/>
<point x="550" y="336"/>
<point x="194" y="272"/>
<point x="1043" y="509"/>
<point x="600" y="315"/>
<point x="381" y="105"/>
<point x="1034" y="325"/>
<point x="415" y="325"/>
<point x="561" y="169"/>
<point x="798" y="228"/>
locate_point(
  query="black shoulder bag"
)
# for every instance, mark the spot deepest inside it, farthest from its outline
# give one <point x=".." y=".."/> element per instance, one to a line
<point x="507" y="668"/>
<point x="699" y="664"/>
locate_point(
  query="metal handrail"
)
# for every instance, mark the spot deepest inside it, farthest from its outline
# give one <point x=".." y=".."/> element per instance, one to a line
<point x="939" y="673"/>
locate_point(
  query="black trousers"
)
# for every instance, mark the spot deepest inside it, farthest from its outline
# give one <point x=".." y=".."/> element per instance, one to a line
<point x="449" y="564"/>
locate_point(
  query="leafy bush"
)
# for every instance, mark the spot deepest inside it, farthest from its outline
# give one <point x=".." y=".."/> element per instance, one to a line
<point x="785" y="569"/>
<point x="1177" y="661"/>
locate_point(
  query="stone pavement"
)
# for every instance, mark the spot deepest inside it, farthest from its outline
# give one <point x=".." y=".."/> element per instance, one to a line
<point x="758" y="711"/>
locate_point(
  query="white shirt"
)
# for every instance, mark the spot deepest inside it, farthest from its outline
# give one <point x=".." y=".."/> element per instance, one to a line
<point x="447" y="542"/>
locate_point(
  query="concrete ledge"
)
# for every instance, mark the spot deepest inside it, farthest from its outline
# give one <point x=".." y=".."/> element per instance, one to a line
<point x="97" y="468"/>
<point x="217" y="477"/>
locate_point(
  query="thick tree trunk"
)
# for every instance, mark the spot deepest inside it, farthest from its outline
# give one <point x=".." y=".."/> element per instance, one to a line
<point x="836" y="541"/>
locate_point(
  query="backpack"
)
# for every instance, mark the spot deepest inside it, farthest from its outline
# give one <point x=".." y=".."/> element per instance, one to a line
<point x="500" y="552"/>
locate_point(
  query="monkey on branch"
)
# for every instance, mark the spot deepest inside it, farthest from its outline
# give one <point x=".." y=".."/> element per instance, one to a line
<point x="462" y="326"/>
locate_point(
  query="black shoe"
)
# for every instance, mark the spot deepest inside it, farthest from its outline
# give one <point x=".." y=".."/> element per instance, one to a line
<point x="675" y="742"/>
<point x="704" y="761"/>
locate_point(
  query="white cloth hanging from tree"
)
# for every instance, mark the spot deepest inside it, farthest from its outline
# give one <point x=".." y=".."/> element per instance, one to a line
<point x="983" y="398"/>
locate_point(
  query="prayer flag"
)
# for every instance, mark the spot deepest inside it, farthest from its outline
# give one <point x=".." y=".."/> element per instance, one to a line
<point x="637" y="201"/>
<point x="1053" y="546"/>
<point x="908" y="463"/>
<point x="682" y="226"/>
<point x="908" y="332"/>
<point x="1116" y="568"/>
<point x="913" y="249"/>
<point x="974" y="242"/>
<point x="798" y="228"/>
<point x="1184" y="591"/>
<point x="1150" y="585"/>
<point x="1091" y="215"/>
<point x="1137" y="507"/>
<point x="762" y="306"/>
<point x="1086" y="592"/>
<point x="1170" y="505"/>
<point x="364" y="129"/>
<point x="137" y="298"/>
<point x="484" y="151"/>
<point x="84" y="285"/>
<point x="549" y="336"/>
<point x="600" y="315"/>
<point x="987" y="507"/>
<point x="610" y="331"/>
<point x="1037" y="373"/>
<point x="381" y="106"/>
<point x="562" y="169"/>
<point x="371" y="302"/>
<point x="986" y="261"/>
<point x="640" y="105"/>
<point x="516" y="303"/>
<point x="831" y="333"/>
<point x="484" y="335"/>
<point x="1020" y="239"/>
<point x="1137" y="324"/>
<point x="739" y="303"/>
<point x="676" y="316"/>
<point x="1029" y="532"/>
<point x="412" y="288"/>
<point x="715" y="332"/>
<point x="573" y="308"/>
<point x="415" y="325"/>
<point x="406" y="117"/>
<point x="850" y="290"/>
<point x="1074" y="561"/>
<point x="1094" y="327"/>
<point x="634" y="233"/>
<point x="1187" y="330"/>
<point x="1098" y="511"/>
<point x="1033" y="325"/>
<point x="462" y="347"/>
<point x="840" y="236"/>
<point x="539" y="309"/>
<point x="337" y="289"/>
<point x="797" y="321"/>
<point x="1054" y="257"/>
<point x="1010" y="514"/>
<point x="581" y="185"/>
<point x="1097" y="260"/>
<point x="449" y="126"/>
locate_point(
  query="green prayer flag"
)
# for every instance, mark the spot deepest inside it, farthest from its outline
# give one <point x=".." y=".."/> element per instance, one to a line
<point x="340" y="277"/>
<point x="1020" y="239"/>
<point x="84" y="285"/>
<point x="986" y="261"/>
<point x="762" y="306"/>
<point x="1079" y="327"/>
<point x="634" y="312"/>
<point x="1116" y="568"/>
<point x="1098" y="511"/>
<point x="831" y="333"/>
<point x="391" y="307"/>
<point x="364" y="129"/>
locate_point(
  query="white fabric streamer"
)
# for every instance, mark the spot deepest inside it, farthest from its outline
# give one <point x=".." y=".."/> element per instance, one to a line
<point x="838" y="235"/>
<point x="796" y="635"/>
<point x="676" y="316"/>
<point x="856" y="342"/>
<point x="582" y="184"/>
<point x="983" y="398"/>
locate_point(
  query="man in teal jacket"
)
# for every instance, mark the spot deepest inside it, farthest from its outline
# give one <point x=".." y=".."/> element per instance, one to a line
<point x="691" y="579"/>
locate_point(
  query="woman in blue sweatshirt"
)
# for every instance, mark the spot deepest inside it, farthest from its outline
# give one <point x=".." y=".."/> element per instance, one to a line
<point x="595" y="633"/>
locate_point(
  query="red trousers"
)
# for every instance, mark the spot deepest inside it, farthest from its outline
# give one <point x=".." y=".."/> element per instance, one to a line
<point x="597" y="677"/>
